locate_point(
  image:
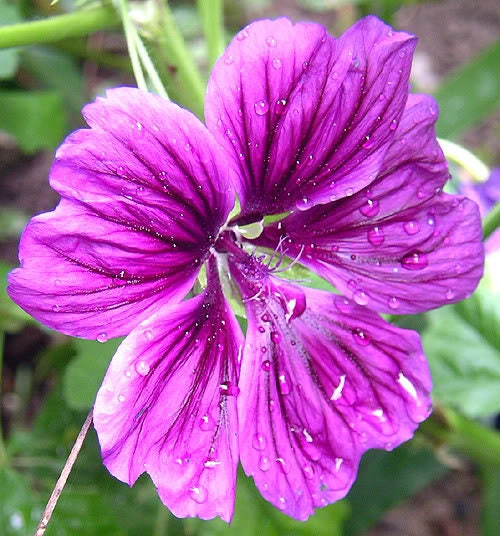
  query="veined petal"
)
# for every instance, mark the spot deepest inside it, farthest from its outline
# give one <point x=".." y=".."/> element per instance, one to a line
<point x="167" y="406"/>
<point x="144" y="194"/>
<point x="320" y="388"/>
<point x="399" y="245"/>
<point x="305" y="116"/>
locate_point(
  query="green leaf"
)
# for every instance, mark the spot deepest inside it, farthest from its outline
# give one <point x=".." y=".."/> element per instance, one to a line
<point x="35" y="119"/>
<point x="18" y="509"/>
<point x="9" y="58"/>
<point x="12" y="317"/>
<point x="491" y="501"/>
<point x="462" y="344"/>
<point x="84" y="374"/>
<point x="470" y="94"/>
<point x="387" y="478"/>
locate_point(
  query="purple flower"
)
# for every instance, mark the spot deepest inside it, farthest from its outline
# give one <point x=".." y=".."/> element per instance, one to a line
<point x="486" y="195"/>
<point x="322" y="134"/>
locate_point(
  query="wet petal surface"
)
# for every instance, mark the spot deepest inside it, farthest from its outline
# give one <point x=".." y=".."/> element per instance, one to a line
<point x="167" y="406"/>
<point x="305" y="116"/>
<point x="144" y="196"/>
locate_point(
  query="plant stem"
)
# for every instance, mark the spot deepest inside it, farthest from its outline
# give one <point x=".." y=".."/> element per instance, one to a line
<point x="491" y="221"/>
<point x="465" y="159"/>
<point x="181" y="68"/>
<point x="61" y="481"/>
<point x="76" y="24"/>
<point x="212" y="20"/>
<point x="3" y="451"/>
<point x="449" y="428"/>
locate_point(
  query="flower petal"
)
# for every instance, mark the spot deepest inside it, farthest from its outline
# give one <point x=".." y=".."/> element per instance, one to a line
<point x="399" y="245"/>
<point x="168" y="406"/>
<point x="307" y="117"/>
<point x="319" y="389"/>
<point x="145" y="191"/>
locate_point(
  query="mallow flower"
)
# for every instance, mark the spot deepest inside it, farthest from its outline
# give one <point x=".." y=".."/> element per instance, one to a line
<point x="315" y="154"/>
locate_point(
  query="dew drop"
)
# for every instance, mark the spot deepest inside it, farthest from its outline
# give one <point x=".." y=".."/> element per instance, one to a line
<point x="242" y="35"/>
<point x="275" y="337"/>
<point x="148" y="334"/>
<point x="308" y="471"/>
<point x="142" y="368"/>
<point x="265" y="317"/>
<point x="282" y="503"/>
<point x="352" y="284"/>
<point x="368" y="143"/>
<point x="229" y="389"/>
<point x="411" y="227"/>
<point x="370" y="208"/>
<point x="376" y="236"/>
<point x="285" y="386"/>
<point x="414" y="261"/>
<point x="393" y="303"/>
<point x="271" y="41"/>
<point x="450" y="294"/>
<point x="207" y="423"/>
<point x="121" y="398"/>
<point x="303" y="204"/>
<point x="198" y="494"/>
<point x="360" y="337"/>
<point x="276" y="63"/>
<point x="228" y="60"/>
<point x="349" y="192"/>
<point x="280" y="106"/>
<point x="259" y="442"/>
<point x="344" y="305"/>
<point x="393" y="125"/>
<point x="261" y="107"/>
<point x="266" y="365"/>
<point x="102" y="337"/>
<point x="56" y="308"/>
<point x="264" y="463"/>
<point x="283" y="465"/>
<point x="360" y="297"/>
<point x="262" y="329"/>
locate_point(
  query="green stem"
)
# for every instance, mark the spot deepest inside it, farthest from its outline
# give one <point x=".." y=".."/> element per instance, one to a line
<point x="465" y="159"/>
<point x="491" y="222"/>
<point x="161" y="522"/>
<point x="3" y="451"/>
<point x="181" y="66"/>
<point x="449" y="428"/>
<point x="77" y="24"/>
<point x="212" y="20"/>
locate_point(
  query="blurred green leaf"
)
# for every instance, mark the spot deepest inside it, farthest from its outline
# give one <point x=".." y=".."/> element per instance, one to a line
<point x="19" y="511"/>
<point x="462" y="343"/>
<point x="12" y="223"/>
<point x="57" y="71"/>
<point x="491" y="502"/>
<point x="470" y="94"/>
<point x="9" y="14"/>
<point x="84" y="374"/>
<point x="387" y="478"/>
<point x="12" y="317"/>
<point x="36" y="119"/>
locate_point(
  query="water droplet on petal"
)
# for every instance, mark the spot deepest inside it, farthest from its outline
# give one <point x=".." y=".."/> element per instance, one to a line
<point x="393" y="303"/>
<point x="376" y="236"/>
<point x="360" y="337"/>
<point x="198" y="494"/>
<point x="280" y="105"/>
<point x="344" y="305"/>
<point x="308" y="471"/>
<point x="338" y="463"/>
<point x="121" y="398"/>
<point x="261" y="107"/>
<point x="207" y="423"/>
<point x="275" y="337"/>
<point x="414" y="261"/>
<point x="242" y="35"/>
<point x="303" y="204"/>
<point x="393" y="125"/>
<point x="56" y="308"/>
<point x="283" y="465"/>
<point x="370" y="208"/>
<point x="259" y="442"/>
<point x="450" y="294"/>
<point x="265" y="317"/>
<point x="360" y="297"/>
<point x="271" y="41"/>
<point x="411" y="227"/>
<point x="228" y="60"/>
<point x="102" y="337"/>
<point x="368" y="143"/>
<point x="282" y="503"/>
<point x="285" y="386"/>
<point x="266" y="365"/>
<point x="229" y="389"/>
<point x="142" y="368"/>
<point x="276" y="63"/>
<point x="264" y="463"/>
<point x="148" y="334"/>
